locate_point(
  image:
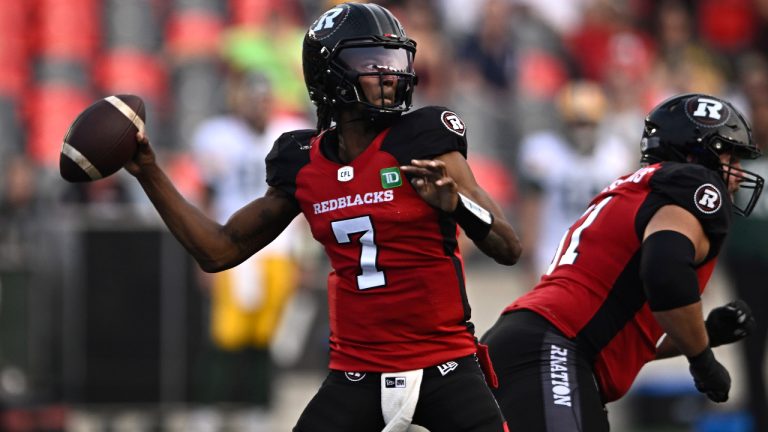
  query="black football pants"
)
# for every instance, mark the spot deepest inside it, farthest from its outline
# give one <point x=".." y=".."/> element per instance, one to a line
<point x="460" y="400"/>
<point x="544" y="384"/>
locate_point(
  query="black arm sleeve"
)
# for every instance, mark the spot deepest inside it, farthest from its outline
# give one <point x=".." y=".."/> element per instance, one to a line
<point x="667" y="271"/>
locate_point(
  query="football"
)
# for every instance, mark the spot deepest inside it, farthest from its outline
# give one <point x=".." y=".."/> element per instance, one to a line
<point x="102" y="138"/>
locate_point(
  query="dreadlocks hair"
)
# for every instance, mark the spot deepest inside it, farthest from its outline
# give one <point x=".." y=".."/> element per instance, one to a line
<point x="324" y="117"/>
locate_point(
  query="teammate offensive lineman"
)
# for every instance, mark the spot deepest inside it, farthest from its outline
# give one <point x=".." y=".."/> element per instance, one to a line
<point x="623" y="288"/>
<point x="399" y="317"/>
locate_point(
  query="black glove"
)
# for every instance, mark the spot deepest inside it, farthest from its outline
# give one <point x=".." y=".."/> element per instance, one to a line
<point x="710" y="377"/>
<point x="729" y="323"/>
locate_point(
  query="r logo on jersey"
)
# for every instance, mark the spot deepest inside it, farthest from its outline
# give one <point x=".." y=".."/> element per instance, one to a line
<point x="707" y="112"/>
<point x="453" y="122"/>
<point x="707" y="198"/>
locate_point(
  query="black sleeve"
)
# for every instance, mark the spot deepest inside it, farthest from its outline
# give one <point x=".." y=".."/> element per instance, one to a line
<point x="288" y="155"/>
<point x="426" y="133"/>
<point x="699" y="190"/>
<point x="668" y="271"/>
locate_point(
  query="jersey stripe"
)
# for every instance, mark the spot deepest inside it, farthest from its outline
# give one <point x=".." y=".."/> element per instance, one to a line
<point x="624" y="300"/>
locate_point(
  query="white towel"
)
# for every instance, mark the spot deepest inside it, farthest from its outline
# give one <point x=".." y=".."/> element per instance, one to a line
<point x="399" y="396"/>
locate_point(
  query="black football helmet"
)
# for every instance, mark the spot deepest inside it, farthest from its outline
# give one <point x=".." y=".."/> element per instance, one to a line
<point x="354" y="40"/>
<point x="698" y="128"/>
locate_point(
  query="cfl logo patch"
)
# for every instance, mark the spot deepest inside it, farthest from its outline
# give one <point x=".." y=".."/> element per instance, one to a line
<point x="394" y="382"/>
<point x="707" y="198"/>
<point x="345" y="174"/>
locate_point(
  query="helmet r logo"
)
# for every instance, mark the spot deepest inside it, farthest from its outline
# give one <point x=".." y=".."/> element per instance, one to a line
<point x="328" y="22"/>
<point x="707" y="112"/>
<point x="707" y="198"/>
<point x="708" y="108"/>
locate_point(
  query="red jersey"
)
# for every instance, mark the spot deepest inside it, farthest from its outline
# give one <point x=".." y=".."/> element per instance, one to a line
<point x="396" y="293"/>
<point x="592" y="291"/>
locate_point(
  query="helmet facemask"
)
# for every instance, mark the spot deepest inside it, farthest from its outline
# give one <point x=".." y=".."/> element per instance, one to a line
<point x="750" y="184"/>
<point x="376" y="75"/>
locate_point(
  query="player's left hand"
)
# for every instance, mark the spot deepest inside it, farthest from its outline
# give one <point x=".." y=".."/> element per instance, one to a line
<point x="710" y="376"/>
<point x="729" y="323"/>
<point x="430" y="179"/>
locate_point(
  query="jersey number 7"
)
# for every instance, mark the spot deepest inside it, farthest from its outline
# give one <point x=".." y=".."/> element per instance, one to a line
<point x="370" y="276"/>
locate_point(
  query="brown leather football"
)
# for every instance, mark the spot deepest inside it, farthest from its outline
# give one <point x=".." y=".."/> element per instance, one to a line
<point x="102" y="138"/>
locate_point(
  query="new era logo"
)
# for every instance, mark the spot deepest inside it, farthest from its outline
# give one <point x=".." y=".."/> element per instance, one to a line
<point x="445" y="368"/>
<point x="394" y="382"/>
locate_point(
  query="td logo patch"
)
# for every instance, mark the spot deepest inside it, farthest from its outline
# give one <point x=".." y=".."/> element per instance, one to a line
<point x="453" y="122"/>
<point x="707" y="198"/>
<point x="391" y="178"/>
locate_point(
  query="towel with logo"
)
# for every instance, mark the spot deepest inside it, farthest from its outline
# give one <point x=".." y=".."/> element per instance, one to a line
<point x="399" y="396"/>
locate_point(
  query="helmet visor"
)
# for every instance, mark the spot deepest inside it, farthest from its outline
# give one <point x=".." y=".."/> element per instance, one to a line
<point x="377" y="59"/>
<point x="382" y="75"/>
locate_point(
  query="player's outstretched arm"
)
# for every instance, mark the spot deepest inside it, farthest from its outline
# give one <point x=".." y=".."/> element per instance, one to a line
<point x="447" y="183"/>
<point x="214" y="246"/>
<point x="674" y="242"/>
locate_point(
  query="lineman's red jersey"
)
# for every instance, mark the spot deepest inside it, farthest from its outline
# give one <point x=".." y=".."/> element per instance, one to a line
<point x="593" y="292"/>
<point x="396" y="293"/>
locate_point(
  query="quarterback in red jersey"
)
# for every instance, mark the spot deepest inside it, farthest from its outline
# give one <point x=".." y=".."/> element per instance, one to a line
<point x="624" y="284"/>
<point x="384" y="192"/>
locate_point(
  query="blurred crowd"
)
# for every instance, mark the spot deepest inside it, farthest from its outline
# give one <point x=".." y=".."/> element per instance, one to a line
<point x="553" y="94"/>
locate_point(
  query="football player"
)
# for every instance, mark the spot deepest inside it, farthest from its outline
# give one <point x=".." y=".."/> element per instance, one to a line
<point x="623" y="288"/>
<point x="384" y="192"/>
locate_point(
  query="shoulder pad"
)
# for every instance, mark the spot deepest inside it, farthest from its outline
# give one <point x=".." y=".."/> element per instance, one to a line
<point x="426" y="133"/>
<point x="697" y="189"/>
<point x="288" y="155"/>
